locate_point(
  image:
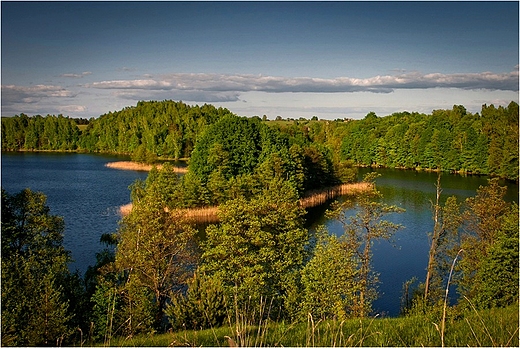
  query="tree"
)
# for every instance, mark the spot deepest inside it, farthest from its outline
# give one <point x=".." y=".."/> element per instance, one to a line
<point x="35" y="307"/>
<point x="329" y="280"/>
<point x="497" y="276"/>
<point x="258" y="245"/>
<point x="203" y="306"/>
<point x="156" y="250"/>
<point x="360" y="232"/>
<point x="487" y="230"/>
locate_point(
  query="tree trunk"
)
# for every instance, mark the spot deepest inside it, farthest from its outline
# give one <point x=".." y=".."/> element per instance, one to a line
<point x="435" y="238"/>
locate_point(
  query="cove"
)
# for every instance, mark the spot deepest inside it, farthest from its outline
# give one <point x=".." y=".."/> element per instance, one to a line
<point x="406" y="255"/>
<point x="79" y="188"/>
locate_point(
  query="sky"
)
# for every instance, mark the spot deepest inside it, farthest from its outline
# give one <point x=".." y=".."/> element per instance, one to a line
<point x="289" y="59"/>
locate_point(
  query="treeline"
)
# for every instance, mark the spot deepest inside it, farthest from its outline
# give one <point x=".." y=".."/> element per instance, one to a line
<point x="52" y="133"/>
<point x="165" y="128"/>
<point x="447" y="140"/>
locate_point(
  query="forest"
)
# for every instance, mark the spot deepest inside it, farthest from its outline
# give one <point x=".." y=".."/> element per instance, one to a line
<point x="447" y="140"/>
<point x="260" y="268"/>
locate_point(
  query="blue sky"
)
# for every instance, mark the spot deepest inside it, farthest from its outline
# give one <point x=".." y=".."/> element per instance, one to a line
<point x="293" y="59"/>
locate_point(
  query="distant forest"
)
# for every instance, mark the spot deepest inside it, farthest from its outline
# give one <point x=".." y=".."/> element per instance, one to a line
<point x="448" y="140"/>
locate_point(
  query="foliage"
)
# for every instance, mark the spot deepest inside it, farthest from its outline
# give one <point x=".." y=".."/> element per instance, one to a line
<point x="485" y="228"/>
<point x="37" y="287"/>
<point x="258" y="245"/>
<point x="241" y="154"/>
<point x="329" y="280"/>
<point x="39" y="133"/>
<point x="490" y="244"/>
<point x="165" y="128"/>
<point x="451" y="140"/>
<point x="360" y="232"/>
<point x="156" y="250"/>
<point x="204" y="305"/>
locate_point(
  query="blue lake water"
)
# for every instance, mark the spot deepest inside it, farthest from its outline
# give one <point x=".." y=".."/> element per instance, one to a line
<point x="78" y="187"/>
<point x="406" y="255"/>
<point x="87" y="194"/>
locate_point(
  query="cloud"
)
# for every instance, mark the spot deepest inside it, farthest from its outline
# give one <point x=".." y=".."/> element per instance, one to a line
<point x="69" y="109"/>
<point x="275" y="84"/>
<point x="12" y="94"/>
<point x="77" y="76"/>
<point x="196" y="96"/>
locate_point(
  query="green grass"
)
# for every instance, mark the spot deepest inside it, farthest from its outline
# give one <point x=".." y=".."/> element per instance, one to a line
<point x="494" y="327"/>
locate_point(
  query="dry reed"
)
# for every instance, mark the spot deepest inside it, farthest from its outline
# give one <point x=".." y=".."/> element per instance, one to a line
<point x="128" y="165"/>
<point x="317" y="197"/>
<point x="311" y="199"/>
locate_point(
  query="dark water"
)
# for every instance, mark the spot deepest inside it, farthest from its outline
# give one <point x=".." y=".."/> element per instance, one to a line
<point x="406" y="256"/>
<point x="87" y="195"/>
<point x="78" y="187"/>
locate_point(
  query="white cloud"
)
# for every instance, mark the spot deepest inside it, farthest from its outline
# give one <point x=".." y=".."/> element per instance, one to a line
<point x="12" y="94"/>
<point x="77" y="76"/>
<point x="272" y="95"/>
<point x="195" y="96"/>
<point x="275" y="84"/>
<point x="71" y="109"/>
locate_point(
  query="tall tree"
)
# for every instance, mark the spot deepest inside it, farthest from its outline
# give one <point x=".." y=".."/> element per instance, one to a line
<point x="35" y="306"/>
<point x="258" y="245"/>
<point x="156" y="249"/>
<point x="486" y="222"/>
<point x="360" y="232"/>
<point x="330" y="280"/>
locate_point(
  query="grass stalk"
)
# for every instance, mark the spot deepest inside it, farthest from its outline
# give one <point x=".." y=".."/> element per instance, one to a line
<point x="443" y="322"/>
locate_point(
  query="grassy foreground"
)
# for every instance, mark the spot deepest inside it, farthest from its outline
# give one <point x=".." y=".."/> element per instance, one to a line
<point x="494" y="327"/>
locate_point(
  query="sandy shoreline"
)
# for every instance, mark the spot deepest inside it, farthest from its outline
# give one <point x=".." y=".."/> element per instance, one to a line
<point x="128" y="165"/>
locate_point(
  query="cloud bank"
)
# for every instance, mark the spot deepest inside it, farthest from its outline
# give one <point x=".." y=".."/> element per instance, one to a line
<point x="220" y="83"/>
<point x="12" y="94"/>
<point x="222" y="88"/>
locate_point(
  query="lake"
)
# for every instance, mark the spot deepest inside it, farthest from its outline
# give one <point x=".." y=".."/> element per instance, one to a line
<point x="78" y="187"/>
<point x="87" y="194"/>
<point x="406" y="255"/>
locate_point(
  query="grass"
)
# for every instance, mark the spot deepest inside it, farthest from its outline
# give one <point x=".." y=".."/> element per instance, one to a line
<point x="493" y="327"/>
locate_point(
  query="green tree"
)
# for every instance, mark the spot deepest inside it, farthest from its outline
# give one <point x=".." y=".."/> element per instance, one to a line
<point x="156" y="250"/>
<point x="35" y="307"/>
<point x="203" y="306"/>
<point x="497" y="276"/>
<point x="488" y="228"/>
<point x="360" y="232"/>
<point x="258" y="245"/>
<point x="330" y="280"/>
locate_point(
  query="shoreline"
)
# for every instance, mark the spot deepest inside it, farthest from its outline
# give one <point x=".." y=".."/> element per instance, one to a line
<point x="311" y="199"/>
<point x="129" y="165"/>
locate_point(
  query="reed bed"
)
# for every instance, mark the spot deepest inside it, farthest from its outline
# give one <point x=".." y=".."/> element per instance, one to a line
<point x="317" y="197"/>
<point x="311" y="199"/>
<point x="129" y="165"/>
<point x="201" y="215"/>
